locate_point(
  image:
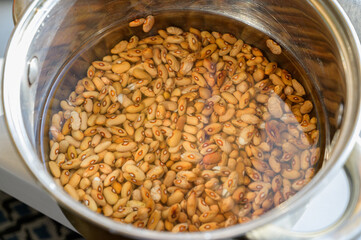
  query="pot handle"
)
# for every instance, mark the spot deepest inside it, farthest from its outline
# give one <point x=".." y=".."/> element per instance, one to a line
<point x="19" y="7"/>
<point x="346" y="227"/>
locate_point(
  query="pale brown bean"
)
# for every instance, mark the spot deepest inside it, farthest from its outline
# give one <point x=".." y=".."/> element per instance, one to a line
<point x="148" y="23"/>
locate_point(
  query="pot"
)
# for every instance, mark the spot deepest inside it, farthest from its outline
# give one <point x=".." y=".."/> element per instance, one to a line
<point x="56" y="40"/>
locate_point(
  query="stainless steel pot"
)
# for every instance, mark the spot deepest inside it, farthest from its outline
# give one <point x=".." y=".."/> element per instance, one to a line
<point x="54" y="38"/>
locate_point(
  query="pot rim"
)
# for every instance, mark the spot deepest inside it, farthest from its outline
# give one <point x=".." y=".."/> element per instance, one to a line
<point x="339" y="25"/>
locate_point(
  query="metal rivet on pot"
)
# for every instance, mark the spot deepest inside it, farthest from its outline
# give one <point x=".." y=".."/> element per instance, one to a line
<point x="33" y="70"/>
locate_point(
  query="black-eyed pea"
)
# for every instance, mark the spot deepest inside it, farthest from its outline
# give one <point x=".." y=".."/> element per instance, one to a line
<point x="105" y="168"/>
<point x="295" y="98"/>
<point x="174" y="39"/>
<point x="141" y="152"/>
<point x="110" y="195"/>
<point x="102" y="146"/>
<point x="155" y="173"/>
<point x="149" y="157"/>
<point x="305" y="159"/>
<point x="168" y="225"/>
<point x="173" y="62"/>
<point x="64" y="177"/>
<point x="230" y="98"/>
<point x="122" y="211"/>
<point x="115" y="120"/>
<point x="209" y="226"/>
<point x="166" y="129"/>
<point x="191" y="157"/>
<point x="71" y="191"/>
<point x="120" y="47"/>
<point x="134" y="172"/>
<point x="190" y="129"/>
<point x="111" y="177"/>
<point x="189" y="147"/>
<point x="179" y="122"/>
<point x="96" y="140"/>
<point x="258" y="74"/>
<point x="144" y="166"/>
<point x="84" y="183"/>
<point x="91" y="170"/>
<point x="175" y="138"/>
<point x="212" y="194"/>
<point x="151" y="111"/>
<point x="163" y="194"/>
<point x="148" y="23"/>
<point x="181" y="227"/>
<point x="133" y="42"/>
<point x="54" y="151"/>
<point x="239" y="193"/>
<point x="182" y="183"/>
<point x="74" y="180"/>
<point x="306" y="107"/>
<point x="107" y="210"/>
<point x="222" y="143"/>
<point x="213" y="183"/>
<point x="54" y="169"/>
<point x="160" y="112"/>
<point x="89" y="202"/>
<point x="253" y="174"/>
<point x="75" y="120"/>
<point x="83" y="121"/>
<point x="299" y="184"/>
<point x="136" y="22"/>
<point x="207" y="216"/>
<point x="172" y="214"/>
<point x="127" y="190"/>
<point x="164" y="157"/>
<point x="182" y="106"/>
<point x="230" y="185"/>
<point x="246" y="135"/>
<point x="121" y="67"/>
<point x="63" y="146"/>
<point x="315" y="156"/>
<point x="300" y="91"/>
<point x="229" y="38"/>
<point x="270" y="68"/>
<point x="99" y="85"/>
<point x="131" y="217"/>
<point x="163" y="33"/>
<point x="169" y="178"/>
<point x="290" y="174"/>
<point x="155" y="193"/>
<point x="273" y="47"/>
<point x="88" y="85"/>
<point x="126" y="146"/>
<point x="176" y="197"/>
<point x="154" y="220"/>
<point x="117" y="131"/>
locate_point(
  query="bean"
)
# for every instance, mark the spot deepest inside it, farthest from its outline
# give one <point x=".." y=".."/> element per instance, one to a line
<point x="274" y="47"/>
<point x="71" y="191"/>
<point x="136" y="22"/>
<point x="148" y="23"/>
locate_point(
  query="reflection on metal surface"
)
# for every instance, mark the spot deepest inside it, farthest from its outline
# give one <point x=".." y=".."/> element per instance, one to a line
<point x="328" y="52"/>
<point x="33" y="70"/>
<point x="19" y="7"/>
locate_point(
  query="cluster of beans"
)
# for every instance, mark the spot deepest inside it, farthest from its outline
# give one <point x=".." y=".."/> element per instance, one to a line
<point x="184" y="131"/>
